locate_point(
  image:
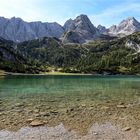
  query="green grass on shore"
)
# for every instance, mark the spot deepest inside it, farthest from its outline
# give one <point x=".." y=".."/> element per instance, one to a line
<point x="2" y="72"/>
<point x="61" y="73"/>
<point x="42" y="73"/>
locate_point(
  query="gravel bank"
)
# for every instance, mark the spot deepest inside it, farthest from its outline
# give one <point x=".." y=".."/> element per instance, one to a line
<point x="105" y="131"/>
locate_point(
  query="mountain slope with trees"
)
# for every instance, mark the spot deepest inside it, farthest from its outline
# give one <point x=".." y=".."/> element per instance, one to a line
<point x="115" y="56"/>
<point x="99" y="56"/>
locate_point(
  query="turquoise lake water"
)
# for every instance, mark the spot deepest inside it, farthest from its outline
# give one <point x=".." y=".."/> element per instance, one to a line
<point x="23" y="97"/>
<point x="100" y="87"/>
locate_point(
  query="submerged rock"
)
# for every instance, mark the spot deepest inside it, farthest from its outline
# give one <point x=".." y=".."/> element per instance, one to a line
<point x="36" y="123"/>
<point x="45" y="114"/>
<point x="126" y="129"/>
<point x="54" y="112"/>
<point x="121" y="106"/>
<point x="19" y="105"/>
<point x="29" y="120"/>
<point x="104" y="107"/>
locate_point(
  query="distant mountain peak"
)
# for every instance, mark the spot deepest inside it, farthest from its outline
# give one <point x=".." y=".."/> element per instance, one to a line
<point x="81" y="28"/>
<point x="17" y="30"/>
<point x="15" y="18"/>
<point x="126" y="27"/>
<point x="82" y="16"/>
<point x="131" y="18"/>
<point x="102" y="29"/>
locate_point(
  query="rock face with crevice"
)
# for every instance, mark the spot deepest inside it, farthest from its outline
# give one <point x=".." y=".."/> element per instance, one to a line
<point x="102" y="29"/>
<point x="17" y="30"/>
<point x="126" y="27"/>
<point x="80" y="29"/>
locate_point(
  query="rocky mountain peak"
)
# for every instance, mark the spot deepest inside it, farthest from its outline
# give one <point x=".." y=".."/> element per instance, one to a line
<point x="17" y="30"/>
<point x="82" y="22"/>
<point x="126" y="27"/>
<point x="82" y="17"/>
<point x="80" y="28"/>
<point x="129" y="21"/>
<point x="102" y="29"/>
<point x="15" y="18"/>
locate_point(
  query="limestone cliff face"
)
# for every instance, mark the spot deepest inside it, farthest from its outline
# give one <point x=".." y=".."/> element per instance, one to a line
<point x="102" y="29"/>
<point x="72" y="37"/>
<point x="80" y="28"/>
<point x="17" y="30"/>
<point x="126" y="27"/>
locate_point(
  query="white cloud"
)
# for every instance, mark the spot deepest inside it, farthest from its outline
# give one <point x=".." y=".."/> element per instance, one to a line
<point x="43" y="10"/>
<point x="114" y="12"/>
<point x="25" y="9"/>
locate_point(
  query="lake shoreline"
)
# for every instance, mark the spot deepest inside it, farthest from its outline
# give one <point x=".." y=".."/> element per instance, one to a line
<point x="4" y="73"/>
<point x="103" y="131"/>
<point x="77" y="102"/>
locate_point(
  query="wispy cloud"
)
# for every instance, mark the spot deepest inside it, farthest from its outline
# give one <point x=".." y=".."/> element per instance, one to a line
<point x="26" y="9"/>
<point x="105" y="12"/>
<point x="107" y="16"/>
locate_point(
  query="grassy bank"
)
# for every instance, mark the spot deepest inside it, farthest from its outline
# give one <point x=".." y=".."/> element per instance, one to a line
<point x="42" y="73"/>
<point x="2" y="72"/>
<point x="63" y="73"/>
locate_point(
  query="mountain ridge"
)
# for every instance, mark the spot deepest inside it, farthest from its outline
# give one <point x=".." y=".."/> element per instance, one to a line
<point x="18" y="30"/>
<point x="125" y="27"/>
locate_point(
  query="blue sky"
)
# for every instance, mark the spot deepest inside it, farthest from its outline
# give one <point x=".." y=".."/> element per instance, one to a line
<point x="104" y="12"/>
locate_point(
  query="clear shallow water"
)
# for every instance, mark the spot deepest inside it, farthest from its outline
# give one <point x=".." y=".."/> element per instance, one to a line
<point x="101" y="87"/>
<point x="29" y="96"/>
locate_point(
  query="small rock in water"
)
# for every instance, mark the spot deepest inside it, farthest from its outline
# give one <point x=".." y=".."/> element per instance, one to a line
<point x="83" y="105"/>
<point x="37" y="115"/>
<point x="36" y="110"/>
<point x="19" y="105"/>
<point x="36" y="123"/>
<point x="3" y="120"/>
<point x="71" y="109"/>
<point x="2" y="110"/>
<point x="49" y="107"/>
<point x="121" y="106"/>
<point x="29" y="120"/>
<point x="105" y="107"/>
<point x="19" y="110"/>
<point x="1" y="114"/>
<point x="52" y="101"/>
<point x="54" y="112"/>
<point x="121" y="103"/>
<point x="126" y="129"/>
<point x="45" y="122"/>
<point x="95" y="133"/>
<point x="90" y="108"/>
<point x="44" y="114"/>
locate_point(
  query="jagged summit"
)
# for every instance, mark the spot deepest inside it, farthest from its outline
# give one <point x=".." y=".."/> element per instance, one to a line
<point x="18" y="30"/>
<point x="81" y="22"/>
<point x="81" y="28"/>
<point x="130" y="19"/>
<point x="102" y="29"/>
<point x="126" y="27"/>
